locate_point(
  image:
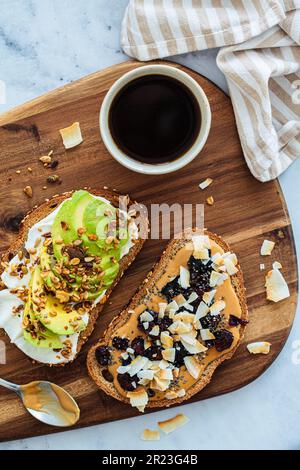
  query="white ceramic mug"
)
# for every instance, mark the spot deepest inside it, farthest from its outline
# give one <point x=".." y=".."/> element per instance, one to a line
<point x="156" y="168"/>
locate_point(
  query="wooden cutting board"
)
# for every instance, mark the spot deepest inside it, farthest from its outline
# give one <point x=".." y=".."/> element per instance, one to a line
<point x="245" y="212"/>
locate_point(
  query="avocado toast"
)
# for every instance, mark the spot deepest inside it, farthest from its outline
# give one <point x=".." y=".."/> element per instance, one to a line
<point x="187" y="317"/>
<point x="70" y="253"/>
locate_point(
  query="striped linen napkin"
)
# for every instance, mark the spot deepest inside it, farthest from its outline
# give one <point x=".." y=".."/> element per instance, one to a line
<point x="259" y="55"/>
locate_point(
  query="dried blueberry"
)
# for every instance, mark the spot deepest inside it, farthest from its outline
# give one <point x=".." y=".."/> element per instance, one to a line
<point x="120" y="343"/>
<point x="141" y="326"/>
<point x="210" y="322"/>
<point x="172" y="289"/>
<point x="138" y="345"/>
<point x="53" y="164"/>
<point x="180" y="354"/>
<point x="151" y="324"/>
<point x="126" y="362"/>
<point x="200" y="274"/>
<point x="153" y="353"/>
<point x="103" y="355"/>
<point x="210" y="343"/>
<point x="223" y="340"/>
<point x="164" y="323"/>
<point x="127" y="382"/>
<point x="235" y="321"/>
<point x="151" y="393"/>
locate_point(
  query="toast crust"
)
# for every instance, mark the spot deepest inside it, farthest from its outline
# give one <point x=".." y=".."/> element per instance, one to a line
<point x="95" y="369"/>
<point x="40" y="212"/>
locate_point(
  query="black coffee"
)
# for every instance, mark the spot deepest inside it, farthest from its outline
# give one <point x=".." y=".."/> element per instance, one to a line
<point x="154" y="119"/>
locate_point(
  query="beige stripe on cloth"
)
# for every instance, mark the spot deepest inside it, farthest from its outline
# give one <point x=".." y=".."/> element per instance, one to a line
<point x="259" y="55"/>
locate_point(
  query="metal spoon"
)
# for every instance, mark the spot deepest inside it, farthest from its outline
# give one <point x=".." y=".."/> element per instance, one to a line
<point x="47" y="402"/>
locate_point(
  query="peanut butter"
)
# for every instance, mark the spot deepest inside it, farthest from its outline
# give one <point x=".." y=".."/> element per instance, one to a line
<point x="130" y="330"/>
<point x="39" y="398"/>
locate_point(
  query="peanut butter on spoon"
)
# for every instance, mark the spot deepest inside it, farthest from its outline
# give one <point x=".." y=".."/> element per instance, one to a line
<point x="47" y="402"/>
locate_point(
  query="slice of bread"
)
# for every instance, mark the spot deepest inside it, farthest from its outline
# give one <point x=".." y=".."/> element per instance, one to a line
<point x="99" y="373"/>
<point x="40" y="212"/>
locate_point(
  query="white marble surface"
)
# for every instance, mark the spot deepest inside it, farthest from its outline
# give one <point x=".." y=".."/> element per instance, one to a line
<point x="46" y="43"/>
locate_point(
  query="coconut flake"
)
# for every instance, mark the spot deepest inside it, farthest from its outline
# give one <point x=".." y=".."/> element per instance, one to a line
<point x="149" y="435"/>
<point x="215" y="279"/>
<point x="194" y="349"/>
<point x="193" y="367"/>
<point x="201" y="311"/>
<point x="71" y="135"/>
<point x="184" y="279"/>
<point x="172" y="424"/>
<point x="172" y="306"/>
<point x="202" y="254"/>
<point x="230" y="267"/>
<point x="276" y="286"/>
<point x="154" y="331"/>
<point x="169" y="354"/>
<point x="194" y="296"/>
<point x="209" y="296"/>
<point x="146" y="374"/>
<point x="204" y="184"/>
<point x="277" y="265"/>
<point x="206" y="334"/>
<point x="138" y="398"/>
<point x="166" y="339"/>
<point x="189" y="338"/>
<point x="217" y="307"/>
<point x="137" y="364"/>
<point x="146" y="317"/>
<point x="162" y="308"/>
<point x="267" y="248"/>
<point x="261" y="347"/>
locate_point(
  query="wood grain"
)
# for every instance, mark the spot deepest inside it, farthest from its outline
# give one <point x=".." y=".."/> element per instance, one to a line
<point x="245" y="212"/>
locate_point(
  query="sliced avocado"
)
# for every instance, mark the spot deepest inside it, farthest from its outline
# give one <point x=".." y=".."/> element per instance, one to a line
<point x="60" y="229"/>
<point x="97" y="219"/>
<point x="46" y="266"/>
<point x="52" y="315"/>
<point x="72" y="216"/>
<point x="111" y="270"/>
<point x="43" y="338"/>
<point x="63" y="323"/>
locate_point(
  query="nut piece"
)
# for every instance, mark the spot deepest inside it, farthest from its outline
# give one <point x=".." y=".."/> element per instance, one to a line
<point x="45" y="159"/>
<point x="52" y="179"/>
<point x="62" y="296"/>
<point x="28" y="191"/>
<point x="92" y="237"/>
<point x="210" y="201"/>
<point x="149" y="435"/>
